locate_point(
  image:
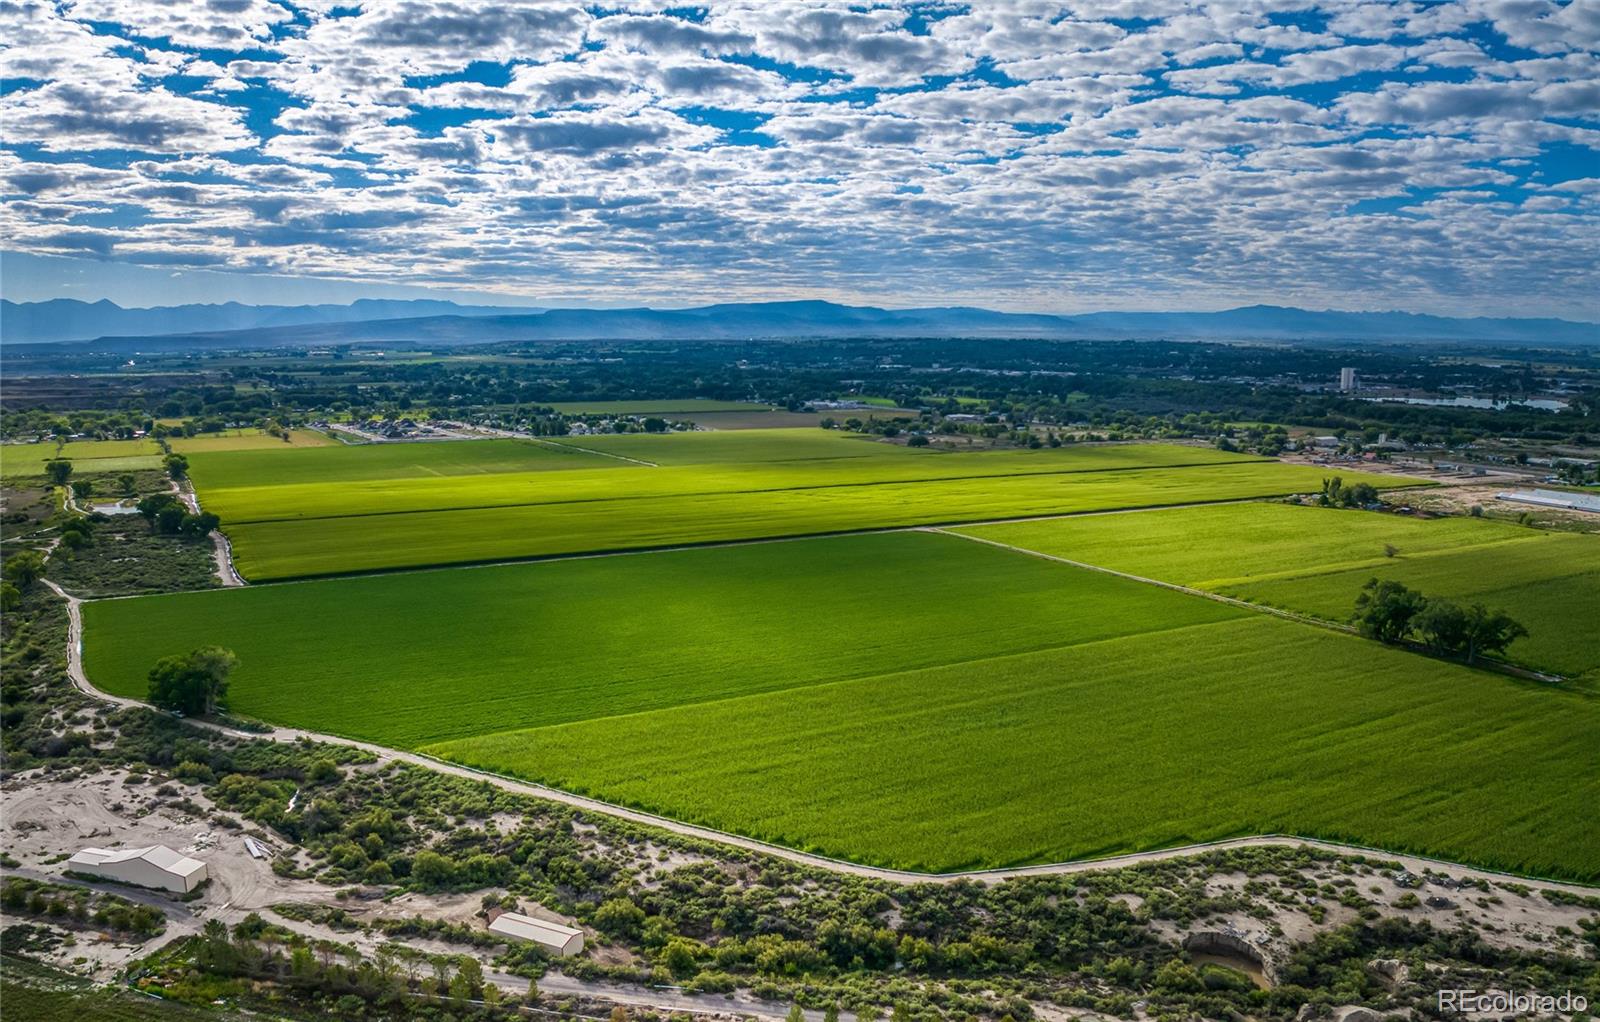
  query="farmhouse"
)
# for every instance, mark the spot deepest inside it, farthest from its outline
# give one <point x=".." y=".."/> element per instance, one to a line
<point x="157" y="866"/>
<point x="553" y="937"/>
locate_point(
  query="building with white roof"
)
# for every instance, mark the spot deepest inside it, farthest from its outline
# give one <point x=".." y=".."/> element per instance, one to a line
<point x="553" y="937"/>
<point x="156" y="866"/>
<point x="1555" y="498"/>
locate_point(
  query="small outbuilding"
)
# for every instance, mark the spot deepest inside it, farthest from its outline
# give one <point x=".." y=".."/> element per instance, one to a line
<point x="553" y="937"/>
<point x="156" y="866"/>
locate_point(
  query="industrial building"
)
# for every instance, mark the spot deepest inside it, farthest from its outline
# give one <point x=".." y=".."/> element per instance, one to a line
<point x="553" y="937"/>
<point x="157" y="866"/>
<point x="1555" y="498"/>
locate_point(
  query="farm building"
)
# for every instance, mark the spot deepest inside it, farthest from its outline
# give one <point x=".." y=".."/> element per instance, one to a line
<point x="1555" y="498"/>
<point x="553" y="937"/>
<point x="156" y="866"/>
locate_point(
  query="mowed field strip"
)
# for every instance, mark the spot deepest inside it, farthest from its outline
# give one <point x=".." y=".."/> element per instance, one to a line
<point x="344" y="511"/>
<point x="905" y="699"/>
<point x="1315" y="561"/>
<point x="87" y="457"/>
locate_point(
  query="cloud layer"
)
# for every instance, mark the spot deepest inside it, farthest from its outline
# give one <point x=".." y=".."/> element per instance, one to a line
<point x="1440" y="157"/>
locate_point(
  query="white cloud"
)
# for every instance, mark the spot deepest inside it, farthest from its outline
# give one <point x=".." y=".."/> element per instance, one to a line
<point x="996" y="153"/>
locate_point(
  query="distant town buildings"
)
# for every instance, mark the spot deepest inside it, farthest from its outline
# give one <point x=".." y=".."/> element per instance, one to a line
<point x="1348" y="383"/>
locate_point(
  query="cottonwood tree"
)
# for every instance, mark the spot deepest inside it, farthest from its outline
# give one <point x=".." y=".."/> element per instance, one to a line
<point x="194" y="683"/>
<point x="1385" y="609"/>
<point x="1490" y="631"/>
<point x="1442" y="626"/>
<point x="24" y="568"/>
<point x="58" y="471"/>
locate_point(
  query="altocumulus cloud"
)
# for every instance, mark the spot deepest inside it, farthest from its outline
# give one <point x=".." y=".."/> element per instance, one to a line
<point x="1433" y="156"/>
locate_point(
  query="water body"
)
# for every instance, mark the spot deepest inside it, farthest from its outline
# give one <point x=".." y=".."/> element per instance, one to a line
<point x="1545" y="404"/>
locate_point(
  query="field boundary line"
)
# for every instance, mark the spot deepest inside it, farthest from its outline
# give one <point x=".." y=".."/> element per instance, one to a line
<point x="1317" y="571"/>
<point x="384" y="754"/>
<point x="507" y="434"/>
<point x="1176" y="587"/>
<point x="1488" y="663"/>
<point x="712" y="544"/>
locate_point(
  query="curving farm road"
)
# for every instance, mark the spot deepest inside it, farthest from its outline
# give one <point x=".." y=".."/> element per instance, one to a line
<point x="1415" y="863"/>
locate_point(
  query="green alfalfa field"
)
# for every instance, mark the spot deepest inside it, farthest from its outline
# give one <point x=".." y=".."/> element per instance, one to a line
<point x="415" y="658"/>
<point x="388" y="479"/>
<point x="1245" y="726"/>
<point x="1315" y="560"/>
<point x="906" y="699"/>
<point x="331" y="526"/>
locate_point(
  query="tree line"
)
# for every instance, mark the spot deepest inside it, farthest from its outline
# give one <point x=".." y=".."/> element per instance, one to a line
<point x="1392" y="612"/>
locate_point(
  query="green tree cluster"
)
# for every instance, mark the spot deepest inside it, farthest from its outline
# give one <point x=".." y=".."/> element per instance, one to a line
<point x="193" y="683"/>
<point x="167" y="516"/>
<point x="1336" y="494"/>
<point x="1391" y="612"/>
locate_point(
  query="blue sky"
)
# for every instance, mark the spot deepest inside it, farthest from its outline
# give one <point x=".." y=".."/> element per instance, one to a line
<point x="1440" y="157"/>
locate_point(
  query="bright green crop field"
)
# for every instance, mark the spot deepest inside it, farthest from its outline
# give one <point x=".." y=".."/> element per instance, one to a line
<point x="743" y="447"/>
<point x="346" y="463"/>
<point x="1315" y="561"/>
<point x="294" y="549"/>
<point x="423" y="657"/>
<point x="493" y="488"/>
<point x="1220" y="730"/>
<point x="87" y="456"/>
<point x="288" y="531"/>
<point x="909" y="699"/>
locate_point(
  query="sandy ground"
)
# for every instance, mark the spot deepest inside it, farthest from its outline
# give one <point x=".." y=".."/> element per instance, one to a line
<point x="45" y="818"/>
<point x="1501" y="916"/>
<point x="1459" y="497"/>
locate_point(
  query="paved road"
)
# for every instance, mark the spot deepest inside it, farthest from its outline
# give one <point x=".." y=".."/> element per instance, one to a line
<point x="1415" y="863"/>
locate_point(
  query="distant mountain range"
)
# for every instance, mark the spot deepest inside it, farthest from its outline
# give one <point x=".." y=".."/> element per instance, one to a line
<point x="446" y="323"/>
<point x="67" y="319"/>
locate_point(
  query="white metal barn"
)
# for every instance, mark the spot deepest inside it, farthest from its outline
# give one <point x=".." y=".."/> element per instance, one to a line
<point x="156" y="866"/>
<point x="562" y="940"/>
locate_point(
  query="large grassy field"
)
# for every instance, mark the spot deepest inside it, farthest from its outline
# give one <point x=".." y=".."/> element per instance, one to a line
<point x="290" y="549"/>
<point x="214" y="470"/>
<point x="427" y="656"/>
<point x="1315" y="560"/>
<point x="294" y="514"/>
<point x="745" y="447"/>
<point x="1219" y="730"/>
<point x="26" y="460"/>
<point x="480" y="482"/>
<point x="909" y="699"/>
<point x="249" y="440"/>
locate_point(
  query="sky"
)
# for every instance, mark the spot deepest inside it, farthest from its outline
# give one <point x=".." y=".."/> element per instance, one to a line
<point x="1440" y="157"/>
